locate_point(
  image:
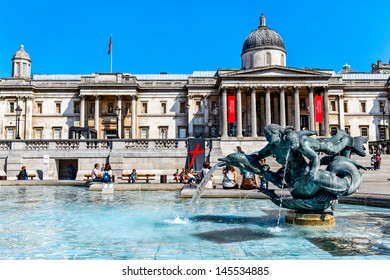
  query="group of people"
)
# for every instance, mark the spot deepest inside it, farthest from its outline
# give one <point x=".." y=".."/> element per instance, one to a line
<point x="249" y="180"/>
<point x="101" y="173"/>
<point x="190" y="176"/>
<point x="376" y="161"/>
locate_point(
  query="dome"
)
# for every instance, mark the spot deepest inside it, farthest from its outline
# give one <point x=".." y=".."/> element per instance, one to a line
<point x="22" y="54"/>
<point x="263" y="38"/>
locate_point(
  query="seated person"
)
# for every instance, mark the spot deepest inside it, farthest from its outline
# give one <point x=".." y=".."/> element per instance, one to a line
<point x="263" y="183"/>
<point x="176" y="176"/>
<point x="249" y="181"/>
<point x="229" y="180"/>
<point x="183" y="176"/>
<point x="133" y="176"/>
<point x="107" y="174"/>
<point x="95" y="173"/>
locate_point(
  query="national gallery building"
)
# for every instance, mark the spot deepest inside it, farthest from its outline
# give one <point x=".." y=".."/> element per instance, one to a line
<point x="229" y="104"/>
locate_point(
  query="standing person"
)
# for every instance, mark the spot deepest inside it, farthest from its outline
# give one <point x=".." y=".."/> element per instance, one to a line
<point x="96" y="173"/>
<point x="229" y="180"/>
<point x="72" y="172"/>
<point x="263" y="183"/>
<point x="203" y="173"/>
<point x="133" y="176"/>
<point x="23" y="175"/>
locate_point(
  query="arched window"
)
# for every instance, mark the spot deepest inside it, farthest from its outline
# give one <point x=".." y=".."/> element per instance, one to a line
<point x="268" y="58"/>
<point x="282" y="59"/>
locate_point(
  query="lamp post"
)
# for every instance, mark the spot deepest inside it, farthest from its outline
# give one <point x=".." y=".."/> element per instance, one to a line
<point x="382" y="104"/>
<point x="214" y="122"/>
<point x="117" y="112"/>
<point x="18" y="114"/>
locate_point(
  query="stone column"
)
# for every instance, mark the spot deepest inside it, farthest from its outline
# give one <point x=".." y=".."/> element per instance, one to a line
<point x="133" y="117"/>
<point x="267" y="105"/>
<point x="190" y="115"/>
<point x="224" y="113"/>
<point x="239" y="112"/>
<point x="97" y="115"/>
<point x="282" y="91"/>
<point x="28" y="125"/>
<point x="341" y="112"/>
<point x="253" y="112"/>
<point x="297" y="112"/>
<point x="311" y="109"/>
<point x="82" y="111"/>
<point x="262" y="113"/>
<point x="326" y="111"/>
<point x="119" y="98"/>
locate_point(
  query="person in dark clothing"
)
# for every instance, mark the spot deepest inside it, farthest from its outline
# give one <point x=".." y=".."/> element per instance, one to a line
<point x="23" y="174"/>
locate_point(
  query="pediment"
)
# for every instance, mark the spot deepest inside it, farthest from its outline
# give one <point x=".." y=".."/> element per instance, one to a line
<point x="274" y="71"/>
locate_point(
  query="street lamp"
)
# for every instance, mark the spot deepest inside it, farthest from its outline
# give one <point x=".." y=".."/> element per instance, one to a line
<point x="18" y="114"/>
<point x="213" y="122"/>
<point x="382" y="104"/>
<point x="117" y="112"/>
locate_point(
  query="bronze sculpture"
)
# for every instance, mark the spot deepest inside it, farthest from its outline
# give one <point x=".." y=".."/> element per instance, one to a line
<point x="311" y="188"/>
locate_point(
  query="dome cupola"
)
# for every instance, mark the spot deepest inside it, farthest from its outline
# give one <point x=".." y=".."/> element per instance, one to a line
<point x="263" y="47"/>
<point x="21" y="64"/>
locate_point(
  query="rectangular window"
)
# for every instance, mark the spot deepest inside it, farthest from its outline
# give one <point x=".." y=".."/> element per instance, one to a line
<point x="92" y="108"/>
<point x="382" y="131"/>
<point x="76" y="107"/>
<point x="12" y="107"/>
<point x="57" y="133"/>
<point x="58" y="107"/>
<point x="182" y="108"/>
<point x="144" y="109"/>
<point x="39" y="107"/>
<point x="10" y="133"/>
<point x="333" y="130"/>
<point x="363" y="107"/>
<point x="144" y="132"/>
<point x="346" y="107"/>
<point x="364" y="131"/>
<point x="347" y="129"/>
<point x="198" y="107"/>
<point x="182" y="132"/>
<point x="127" y="132"/>
<point x="163" y="131"/>
<point x="38" y="133"/>
<point x="333" y="106"/>
<point x="163" y="107"/>
<point x="110" y="108"/>
<point x="198" y="131"/>
<point x="302" y="104"/>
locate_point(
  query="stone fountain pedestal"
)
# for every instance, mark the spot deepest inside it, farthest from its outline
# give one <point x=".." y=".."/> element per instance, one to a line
<point x="310" y="218"/>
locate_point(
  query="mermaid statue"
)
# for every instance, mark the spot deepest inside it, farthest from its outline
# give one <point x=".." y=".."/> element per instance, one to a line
<point x="311" y="187"/>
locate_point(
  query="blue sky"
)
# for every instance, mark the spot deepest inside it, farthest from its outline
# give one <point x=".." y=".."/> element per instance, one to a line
<point x="176" y="36"/>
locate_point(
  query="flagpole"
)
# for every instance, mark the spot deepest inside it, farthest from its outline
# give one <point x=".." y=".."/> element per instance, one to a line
<point x="111" y="57"/>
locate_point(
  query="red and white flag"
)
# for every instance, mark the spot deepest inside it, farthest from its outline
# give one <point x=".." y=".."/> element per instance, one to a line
<point x="110" y="45"/>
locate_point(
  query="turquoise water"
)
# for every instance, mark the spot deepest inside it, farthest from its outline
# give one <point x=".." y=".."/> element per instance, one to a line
<point x="74" y="223"/>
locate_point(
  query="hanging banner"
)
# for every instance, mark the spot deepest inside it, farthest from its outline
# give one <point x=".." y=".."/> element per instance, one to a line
<point x="231" y="109"/>
<point x="318" y="106"/>
<point x="196" y="153"/>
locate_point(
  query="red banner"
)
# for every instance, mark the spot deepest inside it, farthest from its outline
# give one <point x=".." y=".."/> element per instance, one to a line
<point x="318" y="106"/>
<point x="231" y="109"/>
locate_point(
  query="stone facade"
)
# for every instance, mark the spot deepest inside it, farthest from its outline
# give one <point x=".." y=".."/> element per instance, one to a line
<point x="202" y="104"/>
